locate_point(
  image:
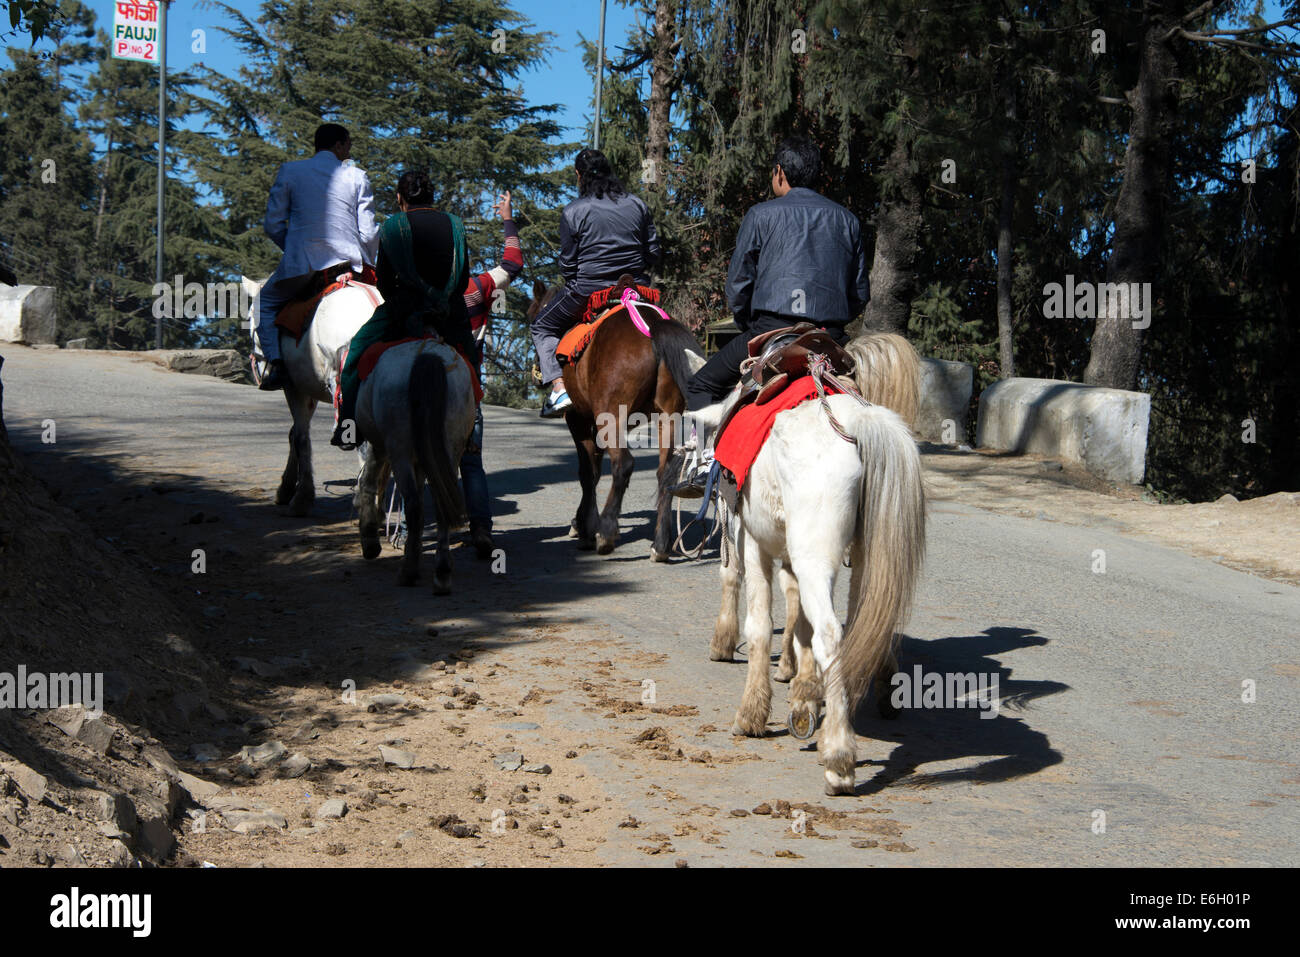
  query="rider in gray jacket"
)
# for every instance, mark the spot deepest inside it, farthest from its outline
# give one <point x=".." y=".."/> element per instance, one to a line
<point x="604" y="233"/>
<point x="798" y="258"/>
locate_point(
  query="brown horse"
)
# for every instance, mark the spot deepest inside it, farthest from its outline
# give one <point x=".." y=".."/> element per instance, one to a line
<point x="621" y="375"/>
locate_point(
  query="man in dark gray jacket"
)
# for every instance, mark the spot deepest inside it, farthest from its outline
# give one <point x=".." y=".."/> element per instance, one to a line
<point x="798" y="258"/>
<point x="604" y="233"/>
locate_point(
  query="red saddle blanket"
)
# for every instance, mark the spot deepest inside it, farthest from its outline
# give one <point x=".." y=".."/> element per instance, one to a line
<point x="294" y="317"/>
<point x="370" y="358"/>
<point x="749" y="428"/>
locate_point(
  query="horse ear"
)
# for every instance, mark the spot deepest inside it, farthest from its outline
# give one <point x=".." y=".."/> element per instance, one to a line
<point x="539" y="289"/>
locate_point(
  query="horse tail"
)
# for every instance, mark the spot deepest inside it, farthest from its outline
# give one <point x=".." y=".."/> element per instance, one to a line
<point x="673" y="345"/>
<point x="428" y="395"/>
<point x="888" y="545"/>
<point x="887" y="372"/>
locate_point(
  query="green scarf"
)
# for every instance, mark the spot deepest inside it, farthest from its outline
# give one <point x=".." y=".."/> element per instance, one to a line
<point x="399" y="249"/>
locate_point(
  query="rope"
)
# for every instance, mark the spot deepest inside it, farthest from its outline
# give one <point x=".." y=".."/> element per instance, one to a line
<point x="819" y="367"/>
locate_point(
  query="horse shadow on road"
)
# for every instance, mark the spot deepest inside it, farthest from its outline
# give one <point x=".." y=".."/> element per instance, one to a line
<point x="931" y="735"/>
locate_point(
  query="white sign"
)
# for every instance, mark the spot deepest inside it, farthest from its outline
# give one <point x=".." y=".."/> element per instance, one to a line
<point x="135" y="30"/>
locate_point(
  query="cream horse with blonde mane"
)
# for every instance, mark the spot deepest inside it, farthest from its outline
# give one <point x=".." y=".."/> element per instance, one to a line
<point x="863" y="497"/>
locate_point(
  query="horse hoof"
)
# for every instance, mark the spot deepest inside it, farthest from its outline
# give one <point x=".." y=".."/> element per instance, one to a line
<point x="587" y="544"/>
<point x="726" y="656"/>
<point x="573" y="529"/>
<point x="605" y="545"/>
<point x="803" y="725"/>
<point x="838" y="784"/>
<point x="300" y="508"/>
<point x="658" y="556"/>
<point x="370" y="550"/>
<point x="283" y="496"/>
<point x="785" y="677"/>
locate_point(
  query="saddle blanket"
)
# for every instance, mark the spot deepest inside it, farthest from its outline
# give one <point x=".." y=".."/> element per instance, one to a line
<point x="295" y="317"/>
<point x="749" y="428"/>
<point x="574" y="342"/>
<point x="370" y="358"/>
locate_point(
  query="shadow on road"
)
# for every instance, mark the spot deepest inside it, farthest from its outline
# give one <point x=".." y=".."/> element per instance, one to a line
<point x="930" y="735"/>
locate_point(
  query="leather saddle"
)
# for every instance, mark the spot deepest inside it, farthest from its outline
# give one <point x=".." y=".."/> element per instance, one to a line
<point x="782" y="355"/>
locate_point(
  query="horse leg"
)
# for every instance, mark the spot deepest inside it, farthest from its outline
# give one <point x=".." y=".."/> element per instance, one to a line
<point x="790" y="586"/>
<point x="816" y="576"/>
<point x="726" y="632"/>
<point x="751" y="719"/>
<point x="304" y="496"/>
<point x="621" y="464"/>
<point x="806" y="688"/>
<point x="367" y="502"/>
<point x="589" y="458"/>
<point x="411" y="488"/>
<point x="289" y="478"/>
<point x="661" y="547"/>
<point x="442" y="567"/>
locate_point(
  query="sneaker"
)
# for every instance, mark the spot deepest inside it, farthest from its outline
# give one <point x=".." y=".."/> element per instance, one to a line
<point x="276" y="377"/>
<point x="557" y="403"/>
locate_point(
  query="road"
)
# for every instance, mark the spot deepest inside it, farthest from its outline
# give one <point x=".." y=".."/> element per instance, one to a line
<point x="1122" y="737"/>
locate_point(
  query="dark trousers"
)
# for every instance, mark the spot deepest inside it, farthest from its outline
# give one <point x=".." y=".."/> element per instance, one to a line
<point x="719" y="375"/>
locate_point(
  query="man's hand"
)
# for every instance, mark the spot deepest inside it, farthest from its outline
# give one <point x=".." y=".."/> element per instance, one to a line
<point x="502" y="206"/>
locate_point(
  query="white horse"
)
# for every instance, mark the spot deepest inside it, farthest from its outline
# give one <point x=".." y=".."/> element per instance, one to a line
<point x="312" y="363"/>
<point x="810" y="497"/>
<point x="416" y="408"/>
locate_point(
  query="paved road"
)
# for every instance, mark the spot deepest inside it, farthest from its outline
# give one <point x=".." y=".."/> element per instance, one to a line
<point x="1121" y="692"/>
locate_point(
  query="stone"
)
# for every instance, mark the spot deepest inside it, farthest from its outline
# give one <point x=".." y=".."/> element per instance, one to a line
<point x="264" y="755"/>
<point x="117" y="811"/>
<point x="119" y="855"/>
<point x="32" y="785"/>
<point x="228" y="364"/>
<point x="1101" y="430"/>
<point x="1225" y="499"/>
<point x="396" y="757"/>
<point x="154" y="836"/>
<point x="509" y="761"/>
<point x="519" y="726"/>
<point x="72" y="856"/>
<point x="96" y="735"/>
<point x="946" y="389"/>
<point x="28" y="314"/>
<point x="295" y="766"/>
<point x="160" y="760"/>
<point x="76" y="344"/>
<point x="381" y="702"/>
<point x="198" y="789"/>
<point x="67" y="720"/>
<point x="205" y="752"/>
<point x="332" y="809"/>
<point x="537" y="768"/>
<point x="253" y="666"/>
<point x="247" y="822"/>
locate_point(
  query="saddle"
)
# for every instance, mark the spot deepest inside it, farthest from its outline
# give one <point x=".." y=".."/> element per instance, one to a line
<point x="295" y="316"/>
<point x="781" y="355"/>
<point x="601" y="304"/>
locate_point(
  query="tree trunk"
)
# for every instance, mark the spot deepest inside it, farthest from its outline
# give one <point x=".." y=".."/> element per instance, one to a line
<point x="1139" y="209"/>
<point x="1006" y="219"/>
<point x="898" y="233"/>
<point x="659" y="120"/>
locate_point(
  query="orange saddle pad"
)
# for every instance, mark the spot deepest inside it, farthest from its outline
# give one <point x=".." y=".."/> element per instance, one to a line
<point x="574" y="342"/>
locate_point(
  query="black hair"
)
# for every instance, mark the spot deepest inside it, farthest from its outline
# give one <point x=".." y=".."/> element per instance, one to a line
<point x="329" y="136"/>
<point x="415" y="187"/>
<point x="598" y="177"/>
<point x="799" y="159"/>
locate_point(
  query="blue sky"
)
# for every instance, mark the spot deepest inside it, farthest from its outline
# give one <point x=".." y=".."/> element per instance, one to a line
<point x="562" y="80"/>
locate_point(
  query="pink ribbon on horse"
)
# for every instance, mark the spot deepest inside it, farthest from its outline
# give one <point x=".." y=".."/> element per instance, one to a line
<point x="630" y="295"/>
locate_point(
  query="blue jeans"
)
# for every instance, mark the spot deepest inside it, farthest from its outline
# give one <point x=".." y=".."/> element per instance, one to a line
<point x="473" y="480"/>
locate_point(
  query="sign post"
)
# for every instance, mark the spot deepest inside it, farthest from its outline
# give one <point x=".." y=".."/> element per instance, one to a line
<point x="600" y="73"/>
<point x="140" y="33"/>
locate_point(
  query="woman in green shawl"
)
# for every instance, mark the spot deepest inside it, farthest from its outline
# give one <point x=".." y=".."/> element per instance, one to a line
<point x="423" y="268"/>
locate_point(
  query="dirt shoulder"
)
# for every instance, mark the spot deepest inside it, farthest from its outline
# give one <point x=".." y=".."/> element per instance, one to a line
<point x="1260" y="536"/>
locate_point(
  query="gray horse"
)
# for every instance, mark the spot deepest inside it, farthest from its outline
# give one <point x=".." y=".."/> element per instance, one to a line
<point x="417" y="411"/>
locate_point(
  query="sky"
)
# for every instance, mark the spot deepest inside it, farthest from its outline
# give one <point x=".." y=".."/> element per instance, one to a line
<point x="562" y="80"/>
